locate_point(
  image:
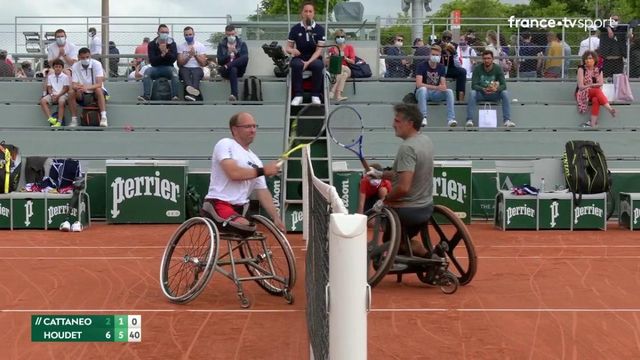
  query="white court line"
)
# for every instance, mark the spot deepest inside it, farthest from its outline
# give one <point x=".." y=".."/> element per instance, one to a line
<point x="382" y="310"/>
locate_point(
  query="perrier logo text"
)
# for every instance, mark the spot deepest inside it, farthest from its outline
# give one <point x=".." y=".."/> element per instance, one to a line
<point x="155" y="186"/>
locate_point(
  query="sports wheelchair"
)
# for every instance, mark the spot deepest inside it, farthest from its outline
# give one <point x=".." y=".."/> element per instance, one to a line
<point x="193" y="254"/>
<point x="385" y="237"/>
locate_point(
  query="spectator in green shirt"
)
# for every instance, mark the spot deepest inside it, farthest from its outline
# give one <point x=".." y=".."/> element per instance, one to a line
<point x="488" y="84"/>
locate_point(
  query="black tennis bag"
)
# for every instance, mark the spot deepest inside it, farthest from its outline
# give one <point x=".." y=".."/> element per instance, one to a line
<point x="161" y="89"/>
<point x="585" y="168"/>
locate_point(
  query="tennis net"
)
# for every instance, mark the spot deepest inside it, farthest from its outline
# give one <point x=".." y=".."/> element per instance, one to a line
<point x="319" y="201"/>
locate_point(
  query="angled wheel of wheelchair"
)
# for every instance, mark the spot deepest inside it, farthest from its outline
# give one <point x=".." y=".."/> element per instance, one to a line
<point x="452" y="238"/>
<point x="383" y="241"/>
<point x="278" y="252"/>
<point x="189" y="260"/>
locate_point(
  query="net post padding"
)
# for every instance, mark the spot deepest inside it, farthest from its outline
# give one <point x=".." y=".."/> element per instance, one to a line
<point x="349" y="293"/>
<point x="319" y="201"/>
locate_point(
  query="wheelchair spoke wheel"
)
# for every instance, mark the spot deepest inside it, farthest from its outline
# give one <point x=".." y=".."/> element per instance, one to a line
<point x="383" y="240"/>
<point x="274" y="262"/>
<point x="452" y="238"/>
<point x="189" y="260"/>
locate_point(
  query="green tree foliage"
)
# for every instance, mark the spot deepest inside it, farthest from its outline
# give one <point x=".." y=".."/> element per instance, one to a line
<point x="279" y="7"/>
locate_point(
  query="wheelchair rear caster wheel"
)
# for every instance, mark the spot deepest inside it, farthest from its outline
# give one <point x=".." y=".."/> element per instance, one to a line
<point x="244" y="302"/>
<point x="288" y="297"/>
<point x="449" y="283"/>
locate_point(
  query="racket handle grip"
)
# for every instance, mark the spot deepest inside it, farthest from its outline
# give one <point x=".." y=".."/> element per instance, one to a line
<point x="280" y="163"/>
<point x="365" y="165"/>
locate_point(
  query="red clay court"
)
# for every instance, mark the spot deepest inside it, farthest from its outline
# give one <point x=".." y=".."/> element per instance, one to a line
<point x="537" y="295"/>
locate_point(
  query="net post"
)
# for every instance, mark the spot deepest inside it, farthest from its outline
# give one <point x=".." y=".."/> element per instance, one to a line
<point x="349" y="295"/>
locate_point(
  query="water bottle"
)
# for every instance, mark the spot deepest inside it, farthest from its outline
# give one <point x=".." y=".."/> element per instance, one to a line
<point x="541" y="185"/>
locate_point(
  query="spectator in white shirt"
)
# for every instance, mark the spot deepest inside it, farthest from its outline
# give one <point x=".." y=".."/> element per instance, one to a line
<point x="191" y="58"/>
<point x="63" y="50"/>
<point x="58" y="85"/>
<point x="88" y="77"/>
<point x="591" y="43"/>
<point x="465" y="54"/>
<point x="95" y="44"/>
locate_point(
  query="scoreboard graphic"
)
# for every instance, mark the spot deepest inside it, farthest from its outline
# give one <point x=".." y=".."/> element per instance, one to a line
<point x="86" y="328"/>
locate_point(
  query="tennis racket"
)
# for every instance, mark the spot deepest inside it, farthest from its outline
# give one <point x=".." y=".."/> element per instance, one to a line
<point x="346" y="129"/>
<point x="305" y="129"/>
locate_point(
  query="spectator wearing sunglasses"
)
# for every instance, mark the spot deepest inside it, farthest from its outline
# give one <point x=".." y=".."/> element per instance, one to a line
<point x="349" y="57"/>
<point x="396" y="67"/>
<point x="452" y="63"/>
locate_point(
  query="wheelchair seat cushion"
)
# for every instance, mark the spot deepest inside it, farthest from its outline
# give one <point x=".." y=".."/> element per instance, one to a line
<point x="226" y="217"/>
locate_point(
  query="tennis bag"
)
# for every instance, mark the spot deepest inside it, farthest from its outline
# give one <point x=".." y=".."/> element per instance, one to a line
<point x="585" y="168"/>
<point x="9" y="168"/>
<point x="252" y="89"/>
<point x="161" y="89"/>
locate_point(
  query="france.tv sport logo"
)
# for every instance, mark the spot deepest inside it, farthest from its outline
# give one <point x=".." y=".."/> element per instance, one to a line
<point x="565" y="22"/>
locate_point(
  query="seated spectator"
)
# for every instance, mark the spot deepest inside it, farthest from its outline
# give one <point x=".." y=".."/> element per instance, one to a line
<point x="488" y="84"/>
<point x="304" y="44"/>
<point x="25" y="70"/>
<point x="590" y="80"/>
<point x="142" y="49"/>
<point x="553" y="63"/>
<point x="6" y="69"/>
<point x="113" y="61"/>
<point x="139" y="68"/>
<point x="396" y="68"/>
<point x="163" y="53"/>
<point x="528" y="66"/>
<point x="465" y="55"/>
<point x="233" y="57"/>
<point x="191" y="58"/>
<point x="372" y="190"/>
<point x="62" y="49"/>
<point x="87" y="78"/>
<point x="349" y="57"/>
<point x="452" y="63"/>
<point x="95" y="43"/>
<point x="58" y="85"/>
<point x="431" y="85"/>
<point x="419" y="50"/>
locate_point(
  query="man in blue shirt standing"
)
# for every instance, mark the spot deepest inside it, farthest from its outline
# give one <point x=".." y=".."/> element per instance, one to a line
<point x="305" y="45"/>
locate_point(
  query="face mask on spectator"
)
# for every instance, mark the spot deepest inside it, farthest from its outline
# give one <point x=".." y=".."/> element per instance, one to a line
<point x="85" y="62"/>
<point x="189" y="39"/>
<point x="231" y="39"/>
<point x="399" y="43"/>
<point x="435" y="58"/>
<point x="61" y="40"/>
<point x="340" y="40"/>
<point x="164" y="36"/>
<point x="92" y="34"/>
<point x="613" y="23"/>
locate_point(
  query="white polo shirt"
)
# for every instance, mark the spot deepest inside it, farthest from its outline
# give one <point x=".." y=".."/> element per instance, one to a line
<point x="53" y="52"/>
<point x="198" y="47"/>
<point x="58" y="82"/>
<point x="83" y="76"/>
<point x="233" y="191"/>
<point x="95" y="45"/>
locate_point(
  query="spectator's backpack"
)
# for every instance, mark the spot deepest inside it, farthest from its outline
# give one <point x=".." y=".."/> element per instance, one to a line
<point x="161" y="89"/>
<point x="585" y="169"/>
<point x="252" y="90"/>
<point x="9" y="168"/>
<point x="90" y="116"/>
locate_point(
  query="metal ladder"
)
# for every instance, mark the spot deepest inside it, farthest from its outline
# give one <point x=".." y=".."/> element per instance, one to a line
<point x="303" y="131"/>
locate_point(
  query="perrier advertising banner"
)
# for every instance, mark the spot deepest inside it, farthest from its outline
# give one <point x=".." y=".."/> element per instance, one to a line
<point x="145" y="191"/>
<point x="452" y="187"/>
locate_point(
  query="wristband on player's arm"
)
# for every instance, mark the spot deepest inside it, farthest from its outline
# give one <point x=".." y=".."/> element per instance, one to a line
<point x="259" y="171"/>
